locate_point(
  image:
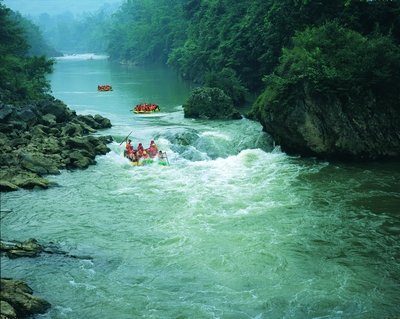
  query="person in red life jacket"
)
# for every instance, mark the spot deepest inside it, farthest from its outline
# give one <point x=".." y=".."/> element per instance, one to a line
<point x="145" y="155"/>
<point x="140" y="150"/>
<point x="153" y="149"/>
<point x="129" y="151"/>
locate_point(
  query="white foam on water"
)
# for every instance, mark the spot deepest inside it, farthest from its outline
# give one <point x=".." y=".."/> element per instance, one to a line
<point x="82" y="56"/>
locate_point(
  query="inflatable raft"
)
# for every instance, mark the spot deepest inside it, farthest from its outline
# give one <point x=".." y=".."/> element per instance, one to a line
<point x="104" y="88"/>
<point x="146" y="108"/>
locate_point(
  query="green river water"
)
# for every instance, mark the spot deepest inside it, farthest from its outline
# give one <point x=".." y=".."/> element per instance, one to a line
<point x="233" y="228"/>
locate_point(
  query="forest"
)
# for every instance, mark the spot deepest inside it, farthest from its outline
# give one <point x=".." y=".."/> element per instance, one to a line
<point x="23" y="61"/>
<point x="200" y="38"/>
<point x="283" y="58"/>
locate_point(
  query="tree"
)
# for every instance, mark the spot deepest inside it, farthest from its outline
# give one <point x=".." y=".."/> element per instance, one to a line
<point x="22" y="78"/>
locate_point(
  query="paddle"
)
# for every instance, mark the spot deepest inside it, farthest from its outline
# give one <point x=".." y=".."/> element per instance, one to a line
<point x="125" y="138"/>
<point x="166" y="158"/>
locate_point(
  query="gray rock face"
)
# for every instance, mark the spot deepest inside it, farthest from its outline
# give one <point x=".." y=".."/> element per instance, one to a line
<point x="335" y="129"/>
<point x="44" y="137"/>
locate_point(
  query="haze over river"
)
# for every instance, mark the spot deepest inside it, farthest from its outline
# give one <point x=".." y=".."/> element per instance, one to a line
<point x="233" y="228"/>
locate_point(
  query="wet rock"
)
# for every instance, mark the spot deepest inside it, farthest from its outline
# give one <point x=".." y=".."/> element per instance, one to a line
<point x="39" y="164"/>
<point x="6" y="186"/>
<point x="29" y="181"/>
<point x="7" y="311"/>
<point x="77" y="159"/>
<point x="41" y="138"/>
<point x="102" y="121"/>
<point x="28" y="248"/>
<point x="31" y="248"/>
<point x="19" y="296"/>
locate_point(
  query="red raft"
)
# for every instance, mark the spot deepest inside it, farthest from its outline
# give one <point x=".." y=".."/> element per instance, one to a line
<point x="104" y="88"/>
<point x="146" y="108"/>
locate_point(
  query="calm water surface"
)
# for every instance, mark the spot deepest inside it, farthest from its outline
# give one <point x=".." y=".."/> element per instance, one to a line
<point x="233" y="228"/>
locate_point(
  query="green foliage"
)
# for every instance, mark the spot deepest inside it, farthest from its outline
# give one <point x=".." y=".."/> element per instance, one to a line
<point x="21" y="77"/>
<point x="201" y="38"/>
<point x="335" y="61"/>
<point x="145" y="31"/>
<point x="227" y="81"/>
<point x="210" y="103"/>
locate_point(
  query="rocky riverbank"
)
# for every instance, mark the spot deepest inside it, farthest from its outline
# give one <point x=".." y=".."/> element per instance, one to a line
<point x="44" y="137"/>
<point x="16" y="297"/>
<point x="38" y="139"/>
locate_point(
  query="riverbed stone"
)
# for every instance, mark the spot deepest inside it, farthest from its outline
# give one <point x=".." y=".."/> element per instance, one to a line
<point x="7" y="311"/>
<point x="20" y="297"/>
<point x="6" y="186"/>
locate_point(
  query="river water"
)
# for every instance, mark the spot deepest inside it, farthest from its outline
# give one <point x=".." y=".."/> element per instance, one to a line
<point x="233" y="228"/>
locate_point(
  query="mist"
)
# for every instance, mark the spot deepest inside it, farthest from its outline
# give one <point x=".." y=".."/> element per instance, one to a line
<point x="54" y="7"/>
<point x="74" y="26"/>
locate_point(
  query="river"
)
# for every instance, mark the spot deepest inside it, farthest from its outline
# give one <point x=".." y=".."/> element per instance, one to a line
<point x="233" y="228"/>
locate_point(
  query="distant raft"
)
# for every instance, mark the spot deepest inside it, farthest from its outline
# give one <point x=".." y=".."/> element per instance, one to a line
<point x="104" y="88"/>
<point x="146" y="108"/>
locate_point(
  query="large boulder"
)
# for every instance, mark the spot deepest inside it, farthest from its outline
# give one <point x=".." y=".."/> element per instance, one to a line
<point x="210" y="103"/>
<point x="19" y="296"/>
<point x="332" y="128"/>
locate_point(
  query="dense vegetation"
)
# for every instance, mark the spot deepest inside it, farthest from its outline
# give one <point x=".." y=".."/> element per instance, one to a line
<point x="145" y="31"/>
<point x="335" y="61"/>
<point x="22" y="77"/>
<point x="202" y="37"/>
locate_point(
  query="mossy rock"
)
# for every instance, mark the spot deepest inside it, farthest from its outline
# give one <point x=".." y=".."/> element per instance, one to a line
<point x="210" y="103"/>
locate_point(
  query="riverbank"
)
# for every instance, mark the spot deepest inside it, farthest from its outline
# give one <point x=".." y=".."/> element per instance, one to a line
<point x="38" y="139"/>
<point x="44" y="137"/>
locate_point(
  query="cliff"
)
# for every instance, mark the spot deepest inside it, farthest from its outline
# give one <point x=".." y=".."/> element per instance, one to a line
<point x="332" y="128"/>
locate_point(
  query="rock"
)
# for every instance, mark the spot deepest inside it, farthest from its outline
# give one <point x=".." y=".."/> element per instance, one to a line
<point x="28" y="248"/>
<point x="72" y="129"/>
<point x="15" y="249"/>
<point x="6" y="186"/>
<point x="210" y="103"/>
<point x="7" y="311"/>
<point x="31" y="248"/>
<point x="57" y="108"/>
<point x="88" y="120"/>
<point x="332" y="128"/>
<point x="43" y="137"/>
<point x="48" y="119"/>
<point x="29" y="181"/>
<point x="102" y="121"/>
<point x="38" y="164"/>
<point x="80" y="143"/>
<point x="79" y="160"/>
<point x="19" y="296"/>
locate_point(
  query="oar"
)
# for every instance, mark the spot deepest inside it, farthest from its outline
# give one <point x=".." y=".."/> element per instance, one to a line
<point x="125" y="138"/>
<point x="166" y="158"/>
